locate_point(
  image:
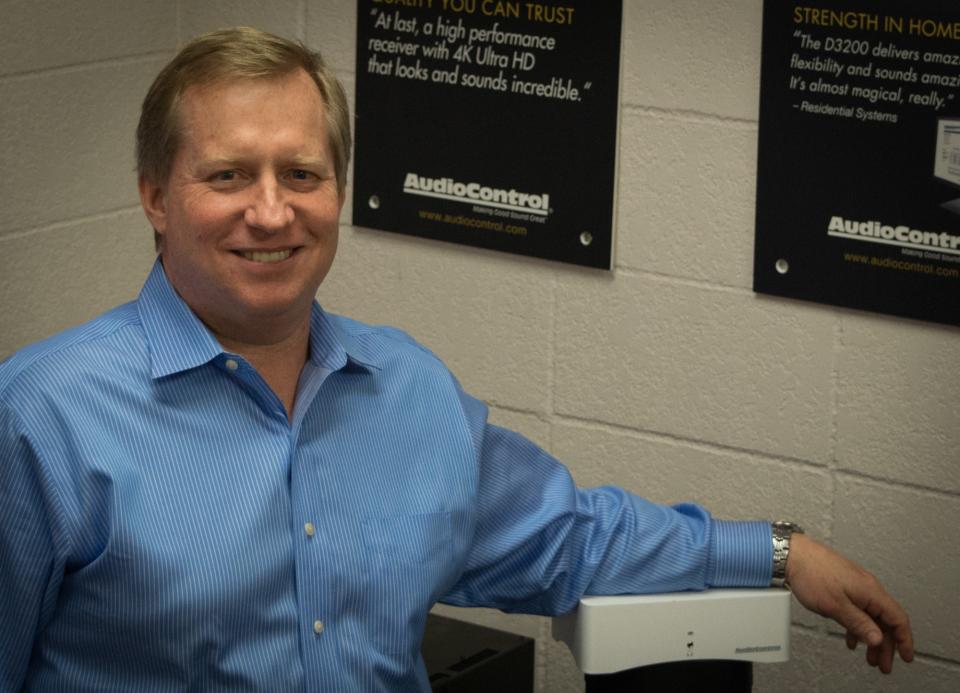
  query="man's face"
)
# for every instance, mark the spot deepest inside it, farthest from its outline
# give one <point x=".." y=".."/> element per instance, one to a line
<point x="249" y="214"/>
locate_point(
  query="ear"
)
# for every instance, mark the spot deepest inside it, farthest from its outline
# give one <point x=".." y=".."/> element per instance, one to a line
<point x="154" y="202"/>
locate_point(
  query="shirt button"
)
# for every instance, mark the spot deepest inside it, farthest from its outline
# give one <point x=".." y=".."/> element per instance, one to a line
<point x="318" y="627"/>
<point x="309" y="529"/>
<point x="231" y="365"/>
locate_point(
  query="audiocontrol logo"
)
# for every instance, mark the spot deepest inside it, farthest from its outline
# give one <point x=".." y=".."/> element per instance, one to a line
<point x="758" y="649"/>
<point x="477" y="194"/>
<point x="887" y="234"/>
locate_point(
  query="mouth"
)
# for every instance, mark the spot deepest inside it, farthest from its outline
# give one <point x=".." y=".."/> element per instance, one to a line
<point x="265" y="257"/>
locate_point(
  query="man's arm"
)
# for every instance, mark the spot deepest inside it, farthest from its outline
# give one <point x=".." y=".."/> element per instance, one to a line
<point x="540" y="543"/>
<point x="617" y="543"/>
<point x="27" y="554"/>
<point x="831" y="585"/>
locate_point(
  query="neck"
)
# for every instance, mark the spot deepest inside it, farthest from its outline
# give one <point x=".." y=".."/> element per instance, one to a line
<point x="279" y="362"/>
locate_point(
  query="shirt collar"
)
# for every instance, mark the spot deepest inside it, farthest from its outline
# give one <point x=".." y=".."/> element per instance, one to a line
<point x="334" y="348"/>
<point x="179" y="341"/>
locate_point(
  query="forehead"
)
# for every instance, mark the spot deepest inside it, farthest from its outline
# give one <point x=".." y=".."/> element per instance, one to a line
<point x="253" y="107"/>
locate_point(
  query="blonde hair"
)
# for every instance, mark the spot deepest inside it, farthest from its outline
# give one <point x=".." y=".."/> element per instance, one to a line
<point x="227" y="54"/>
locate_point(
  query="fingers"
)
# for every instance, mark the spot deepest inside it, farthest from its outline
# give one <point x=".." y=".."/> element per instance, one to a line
<point x="883" y="623"/>
<point x="852" y="640"/>
<point x="885" y="632"/>
<point x="833" y="586"/>
<point x="873" y="656"/>
<point x="903" y="638"/>
<point x="886" y="653"/>
<point x="881" y="656"/>
<point x="905" y="645"/>
<point x="892" y="640"/>
<point x="859" y="625"/>
<point x="896" y="630"/>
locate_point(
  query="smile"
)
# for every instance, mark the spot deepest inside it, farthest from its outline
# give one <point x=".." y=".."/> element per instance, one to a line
<point x="268" y="257"/>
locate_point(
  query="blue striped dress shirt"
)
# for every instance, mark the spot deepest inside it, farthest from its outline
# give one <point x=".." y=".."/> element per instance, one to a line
<point x="164" y="527"/>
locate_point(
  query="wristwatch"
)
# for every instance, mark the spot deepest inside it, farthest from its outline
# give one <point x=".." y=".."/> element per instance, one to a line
<point x="782" y="531"/>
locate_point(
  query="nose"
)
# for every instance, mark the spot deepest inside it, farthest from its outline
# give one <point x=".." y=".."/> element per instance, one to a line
<point x="269" y="211"/>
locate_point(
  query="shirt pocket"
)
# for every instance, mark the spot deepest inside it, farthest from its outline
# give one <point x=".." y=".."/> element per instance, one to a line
<point x="410" y="563"/>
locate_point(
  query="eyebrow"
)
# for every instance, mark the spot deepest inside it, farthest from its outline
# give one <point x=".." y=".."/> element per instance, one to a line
<point x="312" y="160"/>
<point x="217" y="162"/>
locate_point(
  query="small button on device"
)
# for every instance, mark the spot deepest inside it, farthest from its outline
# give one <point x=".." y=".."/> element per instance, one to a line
<point x="231" y="364"/>
<point x="318" y="627"/>
<point x="309" y="529"/>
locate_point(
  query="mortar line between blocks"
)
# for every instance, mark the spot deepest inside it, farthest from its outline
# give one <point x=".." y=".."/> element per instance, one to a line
<point x="302" y="16"/>
<point x="834" y="425"/>
<point x="119" y="61"/>
<point x="691" y="116"/>
<point x="918" y="655"/>
<point x="683" y="281"/>
<point x="65" y="223"/>
<point x="702" y="445"/>
<point x="540" y="658"/>
<point x="750" y="453"/>
<point x="178" y="19"/>
<point x="897" y="484"/>
<point x="551" y="356"/>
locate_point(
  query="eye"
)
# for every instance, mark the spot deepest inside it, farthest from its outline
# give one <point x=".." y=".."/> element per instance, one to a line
<point x="224" y="176"/>
<point x="302" y="179"/>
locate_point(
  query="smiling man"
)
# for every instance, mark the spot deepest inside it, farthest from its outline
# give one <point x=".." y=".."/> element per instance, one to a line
<point x="221" y="487"/>
<point x="247" y="216"/>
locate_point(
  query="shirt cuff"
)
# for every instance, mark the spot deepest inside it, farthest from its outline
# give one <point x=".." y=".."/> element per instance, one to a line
<point x="741" y="554"/>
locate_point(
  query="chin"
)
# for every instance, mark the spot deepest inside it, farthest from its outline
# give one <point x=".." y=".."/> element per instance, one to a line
<point x="263" y="308"/>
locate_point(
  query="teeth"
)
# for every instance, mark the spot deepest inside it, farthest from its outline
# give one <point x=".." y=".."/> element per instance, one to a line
<point x="276" y="256"/>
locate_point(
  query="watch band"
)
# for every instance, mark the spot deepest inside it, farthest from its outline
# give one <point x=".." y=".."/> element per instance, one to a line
<point x="781" y="532"/>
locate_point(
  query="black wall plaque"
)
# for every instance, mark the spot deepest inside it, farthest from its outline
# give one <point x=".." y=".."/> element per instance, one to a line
<point x="858" y="173"/>
<point x="492" y="124"/>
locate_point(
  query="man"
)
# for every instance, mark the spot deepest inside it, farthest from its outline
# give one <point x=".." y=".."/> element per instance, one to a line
<point x="219" y="487"/>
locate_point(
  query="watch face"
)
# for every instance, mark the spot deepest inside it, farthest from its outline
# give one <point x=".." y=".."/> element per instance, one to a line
<point x="787" y="527"/>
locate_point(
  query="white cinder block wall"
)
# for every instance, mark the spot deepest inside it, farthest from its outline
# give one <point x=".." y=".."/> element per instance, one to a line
<point x="667" y="376"/>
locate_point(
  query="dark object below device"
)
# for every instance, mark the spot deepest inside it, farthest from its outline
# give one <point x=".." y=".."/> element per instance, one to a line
<point x="465" y="658"/>
<point x="707" y="675"/>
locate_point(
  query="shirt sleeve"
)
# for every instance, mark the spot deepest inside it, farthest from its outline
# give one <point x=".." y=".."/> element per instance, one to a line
<point x="29" y="567"/>
<point x="541" y="543"/>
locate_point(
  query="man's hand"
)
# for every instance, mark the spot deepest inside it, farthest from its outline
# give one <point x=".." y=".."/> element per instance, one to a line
<point x="829" y="584"/>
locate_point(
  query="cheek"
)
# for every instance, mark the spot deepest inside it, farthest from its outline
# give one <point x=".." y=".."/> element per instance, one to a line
<point x="322" y="220"/>
<point x="194" y="234"/>
<point x="208" y="218"/>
